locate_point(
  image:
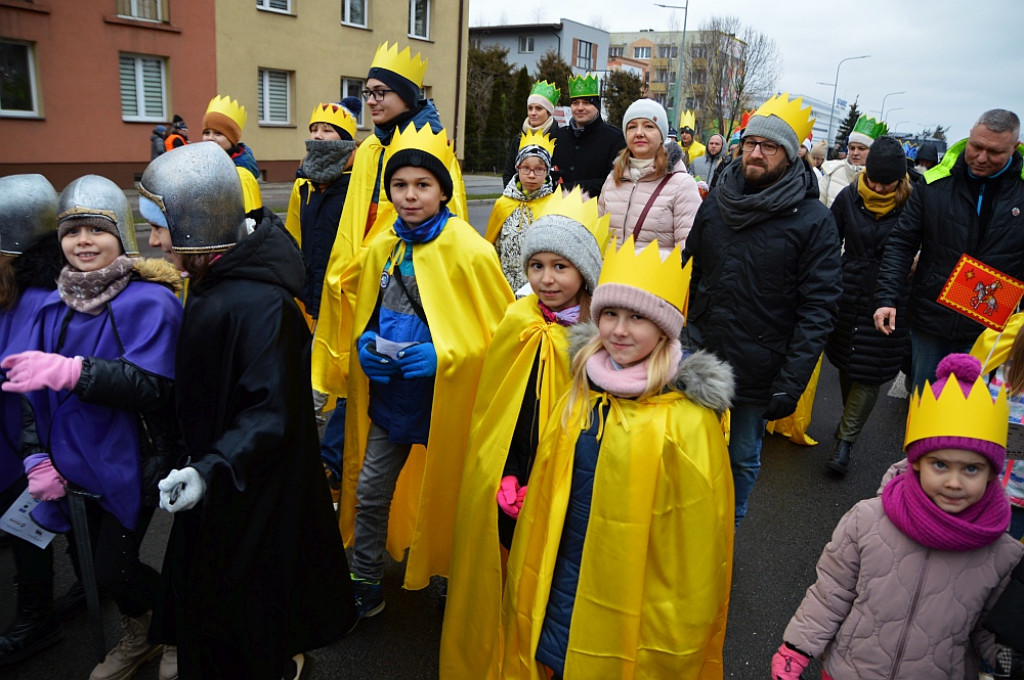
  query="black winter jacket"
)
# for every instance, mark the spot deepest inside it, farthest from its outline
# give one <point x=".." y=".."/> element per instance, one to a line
<point x="319" y="214"/>
<point x="585" y="161"/>
<point x="941" y="218"/>
<point x="764" y="298"/>
<point x="855" y="346"/>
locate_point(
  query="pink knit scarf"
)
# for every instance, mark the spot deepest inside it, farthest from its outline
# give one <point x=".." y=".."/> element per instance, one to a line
<point x="917" y="516"/>
<point x="630" y="381"/>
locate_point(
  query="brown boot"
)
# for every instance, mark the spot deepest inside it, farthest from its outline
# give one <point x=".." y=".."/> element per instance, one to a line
<point x="130" y="653"/>
<point x="169" y="663"/>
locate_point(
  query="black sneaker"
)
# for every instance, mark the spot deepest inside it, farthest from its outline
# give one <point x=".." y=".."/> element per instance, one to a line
<point x="369" y="596"/>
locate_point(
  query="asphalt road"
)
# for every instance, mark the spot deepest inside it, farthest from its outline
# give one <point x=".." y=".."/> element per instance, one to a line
<point x="793" y="510"/>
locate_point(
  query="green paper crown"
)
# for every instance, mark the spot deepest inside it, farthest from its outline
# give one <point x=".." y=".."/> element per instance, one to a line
<point x="870" y="126"/>
<point x="547" y="90"/>
<point x="584" y="86"/>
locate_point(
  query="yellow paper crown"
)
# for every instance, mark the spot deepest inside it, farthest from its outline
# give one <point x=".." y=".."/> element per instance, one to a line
<point x="403" y="63"/>
<point x="647" y="271"/>
<point x="425" y="140"/>
<point x="573" y="206"/>
<point x="796" y="115"/>
<point x="540" y="139"/>
<point x="952" y="415"/>
<point x="688" y="119"/>
<point x="334" y="114"/>
<point x="229" y="107"/>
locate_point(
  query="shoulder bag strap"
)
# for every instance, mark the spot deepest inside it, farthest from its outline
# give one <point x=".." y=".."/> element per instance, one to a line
<point x="650" y="202"/>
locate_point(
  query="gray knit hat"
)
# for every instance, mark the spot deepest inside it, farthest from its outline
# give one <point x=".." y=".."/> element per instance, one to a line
<point x="568" y="238"/>
<point x="649" y="109"/>
<point x="777" y="130"/>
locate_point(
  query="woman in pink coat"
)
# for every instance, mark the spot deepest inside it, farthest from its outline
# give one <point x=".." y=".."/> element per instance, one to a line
<point x="646" y="195"/>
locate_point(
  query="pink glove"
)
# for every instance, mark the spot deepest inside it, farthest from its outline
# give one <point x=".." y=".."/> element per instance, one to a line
<point x="44" y="482"/>
<point x="788" y="664"/>
<point x="29" y="371"/>
<point x="510" y="496"/>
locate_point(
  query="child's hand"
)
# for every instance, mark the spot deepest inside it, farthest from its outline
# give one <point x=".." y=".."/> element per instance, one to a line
<point x="377" y="368"/>
<point x="44" y="482"/>
<point x="510" y="496"/>
<point x="788" y="664"/>
<point x="418" y="361"/>
<point x="30" y="371"/>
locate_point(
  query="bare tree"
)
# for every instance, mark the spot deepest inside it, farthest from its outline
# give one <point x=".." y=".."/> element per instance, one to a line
<point x="730" y="67"/>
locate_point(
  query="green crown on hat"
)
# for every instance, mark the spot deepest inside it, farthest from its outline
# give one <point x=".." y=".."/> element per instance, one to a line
<point x="547" y="90"/>
<point x="870" y="126"/>
<point x="584" y="86"/>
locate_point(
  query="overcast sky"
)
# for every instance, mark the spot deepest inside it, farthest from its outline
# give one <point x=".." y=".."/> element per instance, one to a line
<point x="953" y="59"/>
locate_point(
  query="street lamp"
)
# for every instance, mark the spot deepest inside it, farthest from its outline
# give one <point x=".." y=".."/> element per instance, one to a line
<point x="835" y="86"/>
<point x="896" y="127"/>
<point x="882" y="114"/>
<point x="898" y="108"/>
<point x="682" y="58"/>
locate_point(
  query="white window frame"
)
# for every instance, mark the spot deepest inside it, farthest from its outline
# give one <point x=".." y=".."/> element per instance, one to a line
<point x="426" y="20"/>
<point x="526" y="44"/>
<point x="346" y="13"/>
<point x="642" y="52"/>
<point x="353" y="87"/>
<point x="616" y="51"/>
<point x="268" y="6"/>
<point x="132" y="10"/>
<point x="579" y="60"/>
<point x="143" y="114"/>
<point x="30" y="54"/>
<point x="263" y="95"/>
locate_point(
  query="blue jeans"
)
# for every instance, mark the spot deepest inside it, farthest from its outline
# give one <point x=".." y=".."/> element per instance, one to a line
<point x="928" y="351"/>
<point x="746" y="430"/>
<point x="382" y="464"/>
<point x="332" y="446"/>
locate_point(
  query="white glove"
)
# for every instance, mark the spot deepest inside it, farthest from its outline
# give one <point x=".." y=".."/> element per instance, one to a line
<point x="181" y="490"/>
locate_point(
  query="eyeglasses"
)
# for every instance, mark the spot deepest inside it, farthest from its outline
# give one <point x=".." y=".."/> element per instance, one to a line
<point x="375" y="94"/>
<point x="533" y="172"/>
<point x="767" y="148"/>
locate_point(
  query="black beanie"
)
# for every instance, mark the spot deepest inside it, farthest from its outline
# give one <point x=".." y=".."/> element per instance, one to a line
<point x="928" y="152"/>
<point x="886" y="161"/>
<point x="403" y="87"/>
<point x="418" y="159"/>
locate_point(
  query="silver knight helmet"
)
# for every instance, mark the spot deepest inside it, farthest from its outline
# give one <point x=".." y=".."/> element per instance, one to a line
<point x="94" y="197"/>
<point x="28" y="209"/>
<point x="199" y="193"/>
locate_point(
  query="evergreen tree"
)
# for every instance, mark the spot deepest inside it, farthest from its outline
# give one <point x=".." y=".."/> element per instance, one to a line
<point x="552" y="68"/>
<point x="487" y="69"/>
<point x="846" y="127"/>
<point x="621" y="88"/>
<point x="494" y="141"/>
<point x="517" y="105"/>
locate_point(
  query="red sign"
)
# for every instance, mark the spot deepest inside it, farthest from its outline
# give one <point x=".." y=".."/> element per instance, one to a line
<point x="982" y="293"/>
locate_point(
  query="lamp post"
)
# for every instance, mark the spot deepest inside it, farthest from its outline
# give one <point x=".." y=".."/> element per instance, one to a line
<point x="835" y="86"/>
<point x="898" y="108"/>
<point x="881" y="116"/>
<point x="682" y="59"/>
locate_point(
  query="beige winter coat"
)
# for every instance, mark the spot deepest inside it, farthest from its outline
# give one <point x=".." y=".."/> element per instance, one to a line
<point x="835" y="175"/>
<point x="886" y="607"/>
<point x="669" y="219"/>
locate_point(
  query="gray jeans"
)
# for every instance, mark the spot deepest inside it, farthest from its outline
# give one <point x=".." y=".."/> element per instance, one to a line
<point x="382" y="464"/>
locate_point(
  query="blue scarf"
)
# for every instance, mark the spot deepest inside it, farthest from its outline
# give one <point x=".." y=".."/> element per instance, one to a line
<point x="427" y="231"/>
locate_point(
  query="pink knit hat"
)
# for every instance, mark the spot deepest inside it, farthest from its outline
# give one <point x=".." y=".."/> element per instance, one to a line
<point x="663" y="314"/>
<point x="965" y="369"/>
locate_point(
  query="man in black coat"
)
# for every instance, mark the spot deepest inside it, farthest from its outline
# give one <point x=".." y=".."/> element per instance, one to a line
<point x="970" y="203"/>
<point x="766" y="279"/>
<point x="586" y="148"/>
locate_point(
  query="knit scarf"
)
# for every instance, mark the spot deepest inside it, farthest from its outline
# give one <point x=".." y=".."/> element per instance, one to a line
<point x="740" y="210"/>
<point x="89" y="292"/>
<point x="544" y="127"/>
<point x="326" y="159"/>
<point x="625" y="381"/>
<point x="640" y="167"/>
<point x="917" y="516"/>
<point x="514" y="228"/>
<point x="567" y="317"/>
<point x="427" y="231"/>
<point x="878" y="205"/>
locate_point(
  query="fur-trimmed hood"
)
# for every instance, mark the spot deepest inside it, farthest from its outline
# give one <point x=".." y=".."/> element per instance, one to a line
<point x="158" y="270"/>
<point x="702" y="377"/>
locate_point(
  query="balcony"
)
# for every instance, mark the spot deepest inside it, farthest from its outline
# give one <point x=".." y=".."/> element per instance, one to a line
<point x="699" y="64"/>
<point x="659" y="62"/>
<point x="657" y="88"/>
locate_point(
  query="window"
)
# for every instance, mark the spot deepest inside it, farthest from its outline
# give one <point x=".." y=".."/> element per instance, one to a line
<point x="699" y="52"/>
<point x="17" y="79"/>
<point x="353" y="87"/>
<point x="641" y="52"/>
<point x="274" y="94"/>
<point x="419" y="19"/>
<point x="615" y="51"/>
<point x="275" y="5"/>
<point x="143" y="88"/>
<point x="144" y="10"/>
<point x="584" y="50"/>
<point x="526" y="43"/>
<point x="353" y="12"/>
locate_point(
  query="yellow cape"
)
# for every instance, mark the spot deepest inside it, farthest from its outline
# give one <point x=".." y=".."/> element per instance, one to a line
<point x="657" y="561"/>
<point x="470" y="638"/>
<point x="250" y="190"/>
<point x="992" y="348"/>
<point x="293" y="221"/>
<point x="331" y="342"/>
<point x="504" y="206"/>
<point x="695" y="151"/>
<point x="795" y="426"/>
<point x="464" y="296"/>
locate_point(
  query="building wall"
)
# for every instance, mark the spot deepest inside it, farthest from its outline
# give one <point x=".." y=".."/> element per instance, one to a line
<point x="79" y="128"/>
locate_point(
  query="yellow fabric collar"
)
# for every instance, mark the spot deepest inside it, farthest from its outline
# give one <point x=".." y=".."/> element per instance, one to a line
<point x="878" y="205"/>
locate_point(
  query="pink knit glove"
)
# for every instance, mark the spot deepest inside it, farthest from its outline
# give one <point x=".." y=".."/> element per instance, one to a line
<point x="788" y="664"/>
<point x="510" y="496"/>
<point x="29" y="371"/>
<point x="44" y="482"/>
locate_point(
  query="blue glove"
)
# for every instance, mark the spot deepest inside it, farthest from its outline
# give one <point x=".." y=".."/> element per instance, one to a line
<point x="418" y="361"/>
<point x="377" y="368"/>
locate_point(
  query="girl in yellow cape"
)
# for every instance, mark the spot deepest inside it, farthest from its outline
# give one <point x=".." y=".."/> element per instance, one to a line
<point x="526" y="370"/>
<point x="622" y="558"/>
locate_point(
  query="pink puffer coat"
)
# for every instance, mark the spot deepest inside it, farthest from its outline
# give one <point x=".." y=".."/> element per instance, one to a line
<point x="884" y="606"/>
<point x="669" y="219"/>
